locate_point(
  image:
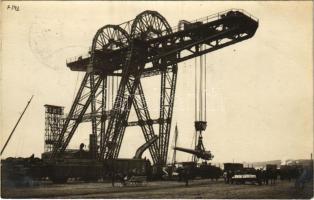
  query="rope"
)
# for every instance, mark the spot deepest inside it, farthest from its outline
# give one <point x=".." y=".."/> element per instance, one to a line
<point x="117" y="85"/>
<point x="193" y="141"/>
<point x="107" y="93"/>
<point x="195" y="96"/>
<point x="112" y="90"/>
<point x="74" y="92"/>
<point x="205" y="89"/>
<point x="200" y="93"/>
<point x="201" y="87"/>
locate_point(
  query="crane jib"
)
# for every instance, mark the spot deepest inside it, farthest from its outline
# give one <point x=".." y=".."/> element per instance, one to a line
<point x="136" y="49"/>
<point x="213" y="35"/>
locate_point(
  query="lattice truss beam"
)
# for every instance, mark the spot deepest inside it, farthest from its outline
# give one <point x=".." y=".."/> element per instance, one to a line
<point x="143" y="47"/>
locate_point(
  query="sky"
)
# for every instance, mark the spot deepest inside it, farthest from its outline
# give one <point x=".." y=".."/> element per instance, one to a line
<point x="259" y="91"/>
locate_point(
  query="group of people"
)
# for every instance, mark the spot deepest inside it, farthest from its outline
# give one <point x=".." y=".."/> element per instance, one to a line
<point x="261" y="176"/>
<point x="306" y="175"/>
<point x="270" y="176"/>
<point x="266" y="177"/>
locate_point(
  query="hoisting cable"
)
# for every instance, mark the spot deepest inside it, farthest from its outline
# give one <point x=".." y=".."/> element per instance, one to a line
<point x="200" y="88"/>
<point x="195" y="83"/>
<point x="117" y="83"/>
<point x="112" y="78"/>
<point x="77" y="76"/>
<point x="205" y="88"/>
<point x="108" y="93"/>
<point x="195" y="102"/>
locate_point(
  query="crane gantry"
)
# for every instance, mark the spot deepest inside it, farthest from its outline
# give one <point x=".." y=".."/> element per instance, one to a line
<point x="143" y="47"/>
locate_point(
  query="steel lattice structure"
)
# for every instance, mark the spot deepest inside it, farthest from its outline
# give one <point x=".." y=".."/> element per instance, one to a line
<point x="53" y="124"/>
<point x="143" y="47"/>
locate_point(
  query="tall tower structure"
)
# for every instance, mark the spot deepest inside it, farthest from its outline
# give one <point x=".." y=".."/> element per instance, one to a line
<point x="54" y="117"/>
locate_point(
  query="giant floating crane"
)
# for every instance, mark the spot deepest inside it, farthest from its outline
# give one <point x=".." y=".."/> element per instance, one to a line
<point x="121" y="56"/>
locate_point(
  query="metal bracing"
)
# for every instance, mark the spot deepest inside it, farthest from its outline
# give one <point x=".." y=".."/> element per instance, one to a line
<point x="214" y="32"/>
<point x="123" y="101"/>
<point x="144" y="120"/>
<point x="89" y="92"/>
<point x="53" y="125"/>
<point x="147" y="25"/>
<point x="167" y="94"/>
<point x="108" y="38"/>
<point x="143" y="47"/>
<point x="151" y="25"/>
<point x="98" y="105"/>
<point x="103" y="118"/>
<point x="79" y="107"/>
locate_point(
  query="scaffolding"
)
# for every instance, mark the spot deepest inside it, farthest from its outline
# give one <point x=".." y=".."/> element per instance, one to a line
<point x="54" y="118"/>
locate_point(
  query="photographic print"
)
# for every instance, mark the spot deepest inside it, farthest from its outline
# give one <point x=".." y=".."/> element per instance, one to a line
<point x="156" y="99"/>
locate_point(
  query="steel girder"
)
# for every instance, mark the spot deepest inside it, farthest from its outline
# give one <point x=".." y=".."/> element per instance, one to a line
<point x="123" y="101"/>
<point x="213" y="33"/>
<point x="167" y="94"/>
<point x="98" y="105"/>
<point x="92" y="92"/>
<point x="151" y="41"/>
<point x="147" y="25"/>
<point x="139" y="103"/>
<point x="151" y="25"/>
<point x="144" y="119"/>
<point x="79" y="107"/>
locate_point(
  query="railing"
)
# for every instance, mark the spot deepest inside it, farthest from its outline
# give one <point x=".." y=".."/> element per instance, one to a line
<point x="89" y="116"/>
<point x="215" y="16"/>
<point x="210" y="18"/>
<point x="77" y="58"/>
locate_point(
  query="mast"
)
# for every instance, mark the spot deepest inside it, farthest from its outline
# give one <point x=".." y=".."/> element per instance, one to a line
<point x="176" y="132"/>
<point x="18" y="121"/>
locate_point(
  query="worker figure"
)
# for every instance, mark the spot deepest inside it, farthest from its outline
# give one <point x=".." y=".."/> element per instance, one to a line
<point x="113" y="174"/>
<point x="229" y="176"/>
<point x="113" y="178"/>
<point x="259" y="176"/>
<point x="225" y="177"/>
<point x="265" y="176"/>
<point x="120" y="177"/>
<point x="301" y="180"/>
<point x="186" y="176"/>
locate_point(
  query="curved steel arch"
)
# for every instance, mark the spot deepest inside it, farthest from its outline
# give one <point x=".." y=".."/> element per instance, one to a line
<point x="148" y="25"/>
<point x="109" y="37"/>
<point x="109" y="34"/>
<point x="142" y="49"/>
<point x="150" y="21"/>
<point x="114" y="37"/>
<point x="92" y="91"/>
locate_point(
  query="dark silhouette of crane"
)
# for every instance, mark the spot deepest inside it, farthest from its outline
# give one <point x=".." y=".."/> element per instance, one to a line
<point x="126" y="53"/>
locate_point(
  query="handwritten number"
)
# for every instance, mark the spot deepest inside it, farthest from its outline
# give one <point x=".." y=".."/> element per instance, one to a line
<point x="13" y="7"/>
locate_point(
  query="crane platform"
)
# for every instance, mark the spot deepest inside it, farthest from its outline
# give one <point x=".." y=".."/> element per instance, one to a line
<point x="233" y="25"/>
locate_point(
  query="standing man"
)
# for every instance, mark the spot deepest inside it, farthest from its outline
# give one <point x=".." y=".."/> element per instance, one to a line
<point x="259" y="176"/>
<point x="113" y="178"/>
<point x="113" y="173"/>
<point x="186" y="176"/>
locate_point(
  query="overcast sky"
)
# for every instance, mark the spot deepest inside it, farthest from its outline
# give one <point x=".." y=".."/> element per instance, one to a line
<point x="259" y="92"/>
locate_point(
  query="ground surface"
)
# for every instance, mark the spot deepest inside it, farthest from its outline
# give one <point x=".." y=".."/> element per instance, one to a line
<point x="162" y="189"/>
